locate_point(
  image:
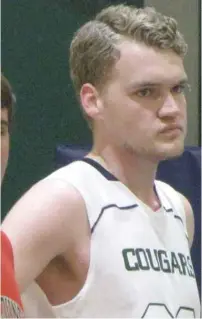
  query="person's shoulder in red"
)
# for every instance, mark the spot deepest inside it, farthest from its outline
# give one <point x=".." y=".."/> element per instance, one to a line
<point x="11" y="305"/>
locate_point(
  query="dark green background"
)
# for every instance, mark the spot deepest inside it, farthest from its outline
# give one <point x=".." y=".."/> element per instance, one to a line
<point x="35" y="39"/>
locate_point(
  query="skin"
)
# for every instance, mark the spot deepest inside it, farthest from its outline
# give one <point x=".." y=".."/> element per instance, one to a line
<point x="133" y="129"/>
<point x="4" y="141"/>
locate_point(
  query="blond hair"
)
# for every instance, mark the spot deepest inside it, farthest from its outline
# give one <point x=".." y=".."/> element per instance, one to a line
<point x="93" y="51"/>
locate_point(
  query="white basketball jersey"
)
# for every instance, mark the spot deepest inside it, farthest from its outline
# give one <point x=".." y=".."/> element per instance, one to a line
<point x="140" y="264"/>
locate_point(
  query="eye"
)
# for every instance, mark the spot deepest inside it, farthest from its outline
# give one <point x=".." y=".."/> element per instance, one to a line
<point x="144" y="92"/>
<point x="178" y="89"/>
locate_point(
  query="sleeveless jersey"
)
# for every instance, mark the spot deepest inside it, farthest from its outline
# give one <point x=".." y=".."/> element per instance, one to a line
<point x="140" y="264"/>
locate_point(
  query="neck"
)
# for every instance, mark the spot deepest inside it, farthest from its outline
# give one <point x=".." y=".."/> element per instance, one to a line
<point x="136" y="172"/>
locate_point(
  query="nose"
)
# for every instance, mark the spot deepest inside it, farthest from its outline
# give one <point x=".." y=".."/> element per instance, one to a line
<point x="170" y="106"/>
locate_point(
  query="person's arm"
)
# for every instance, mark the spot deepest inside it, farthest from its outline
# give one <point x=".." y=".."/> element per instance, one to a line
<point x="42" y="225"/>
<point x="189" y="218"/>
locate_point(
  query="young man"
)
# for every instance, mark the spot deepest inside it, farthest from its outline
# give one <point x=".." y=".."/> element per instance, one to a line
<point x="101" y="237"/>
<point x="7" y="98"/>
<point x="11" y="306"/>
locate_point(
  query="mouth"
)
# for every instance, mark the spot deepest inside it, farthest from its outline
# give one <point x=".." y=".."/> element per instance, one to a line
<point x="172" y="130"/>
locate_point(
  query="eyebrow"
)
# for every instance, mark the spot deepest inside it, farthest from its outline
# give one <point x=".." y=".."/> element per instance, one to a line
<point x="150" y="84"/>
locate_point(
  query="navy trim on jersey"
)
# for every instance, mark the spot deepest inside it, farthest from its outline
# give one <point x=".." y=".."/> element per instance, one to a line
<point x="100" y="168"/>
<point x="180" y="219"/>
<point x="108" y="207"/>
<point x="169" y="210"/>
<point x="111" y="177"/>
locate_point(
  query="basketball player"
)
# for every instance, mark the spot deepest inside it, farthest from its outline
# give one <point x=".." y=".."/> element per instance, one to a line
<point x="102" y="237"/>
<point x="11" y="306"/>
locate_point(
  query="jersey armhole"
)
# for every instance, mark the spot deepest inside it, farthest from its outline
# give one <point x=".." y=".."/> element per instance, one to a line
<point x="176" y="203"/>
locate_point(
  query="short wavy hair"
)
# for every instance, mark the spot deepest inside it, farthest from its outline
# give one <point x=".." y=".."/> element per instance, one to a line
<point x="94" y="52"/>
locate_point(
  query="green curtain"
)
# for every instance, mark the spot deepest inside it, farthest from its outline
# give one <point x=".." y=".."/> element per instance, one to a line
<point x="35" y="40"/>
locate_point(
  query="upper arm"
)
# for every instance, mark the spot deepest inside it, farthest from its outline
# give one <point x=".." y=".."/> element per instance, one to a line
<point x="189" y="218"/>
<point x="40" y="227"/>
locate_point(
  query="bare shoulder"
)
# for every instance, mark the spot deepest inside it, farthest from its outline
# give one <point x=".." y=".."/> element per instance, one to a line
<point x="189" y="218"/>
<point x="42" y="225"/>
<point x="50" y="202"/>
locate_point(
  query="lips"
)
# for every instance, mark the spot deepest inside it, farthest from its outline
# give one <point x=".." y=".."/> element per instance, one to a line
<point x="171" y="128"/>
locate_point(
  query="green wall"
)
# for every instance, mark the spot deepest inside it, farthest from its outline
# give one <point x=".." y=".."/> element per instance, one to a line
<point x="35" y="39"/>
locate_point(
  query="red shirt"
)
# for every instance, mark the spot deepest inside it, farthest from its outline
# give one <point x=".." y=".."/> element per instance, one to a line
<point x="11" y="305"/>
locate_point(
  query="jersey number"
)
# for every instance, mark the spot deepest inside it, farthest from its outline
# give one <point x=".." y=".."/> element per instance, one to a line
<point x="163" y="312"/>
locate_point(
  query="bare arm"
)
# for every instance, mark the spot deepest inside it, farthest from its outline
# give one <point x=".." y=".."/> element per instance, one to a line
<point x="189" y="219"/>
<point x="42" y="225"/>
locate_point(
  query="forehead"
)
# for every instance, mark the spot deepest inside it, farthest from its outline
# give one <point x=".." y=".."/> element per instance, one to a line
<point x="139" y="62"/>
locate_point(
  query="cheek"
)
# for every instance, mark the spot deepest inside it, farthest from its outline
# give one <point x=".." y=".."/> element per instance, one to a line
<point x="184" y="110"/>
<point x="125" y="116"/>
<point x="142" y="127"/>
<point x="4" y="152"/>
<point x="142" y="119"/>
<point x="182" y="102"/>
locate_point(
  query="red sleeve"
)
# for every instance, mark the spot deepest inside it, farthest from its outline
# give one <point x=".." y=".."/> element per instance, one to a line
<point x="10" y="296"/>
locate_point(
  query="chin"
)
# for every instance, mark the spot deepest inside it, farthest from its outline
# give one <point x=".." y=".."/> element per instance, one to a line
<point x="171" y="151"/>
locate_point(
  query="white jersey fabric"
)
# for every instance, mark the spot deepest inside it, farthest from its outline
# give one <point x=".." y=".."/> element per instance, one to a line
<point x="140" y="264"/>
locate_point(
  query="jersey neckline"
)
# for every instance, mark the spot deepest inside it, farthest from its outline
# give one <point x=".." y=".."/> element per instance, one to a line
<point x="109" y="176"/>
<point x="100" y="168"/>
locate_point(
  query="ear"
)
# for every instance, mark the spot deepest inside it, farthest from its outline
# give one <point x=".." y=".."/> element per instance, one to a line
<point x="90" y="101"/>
